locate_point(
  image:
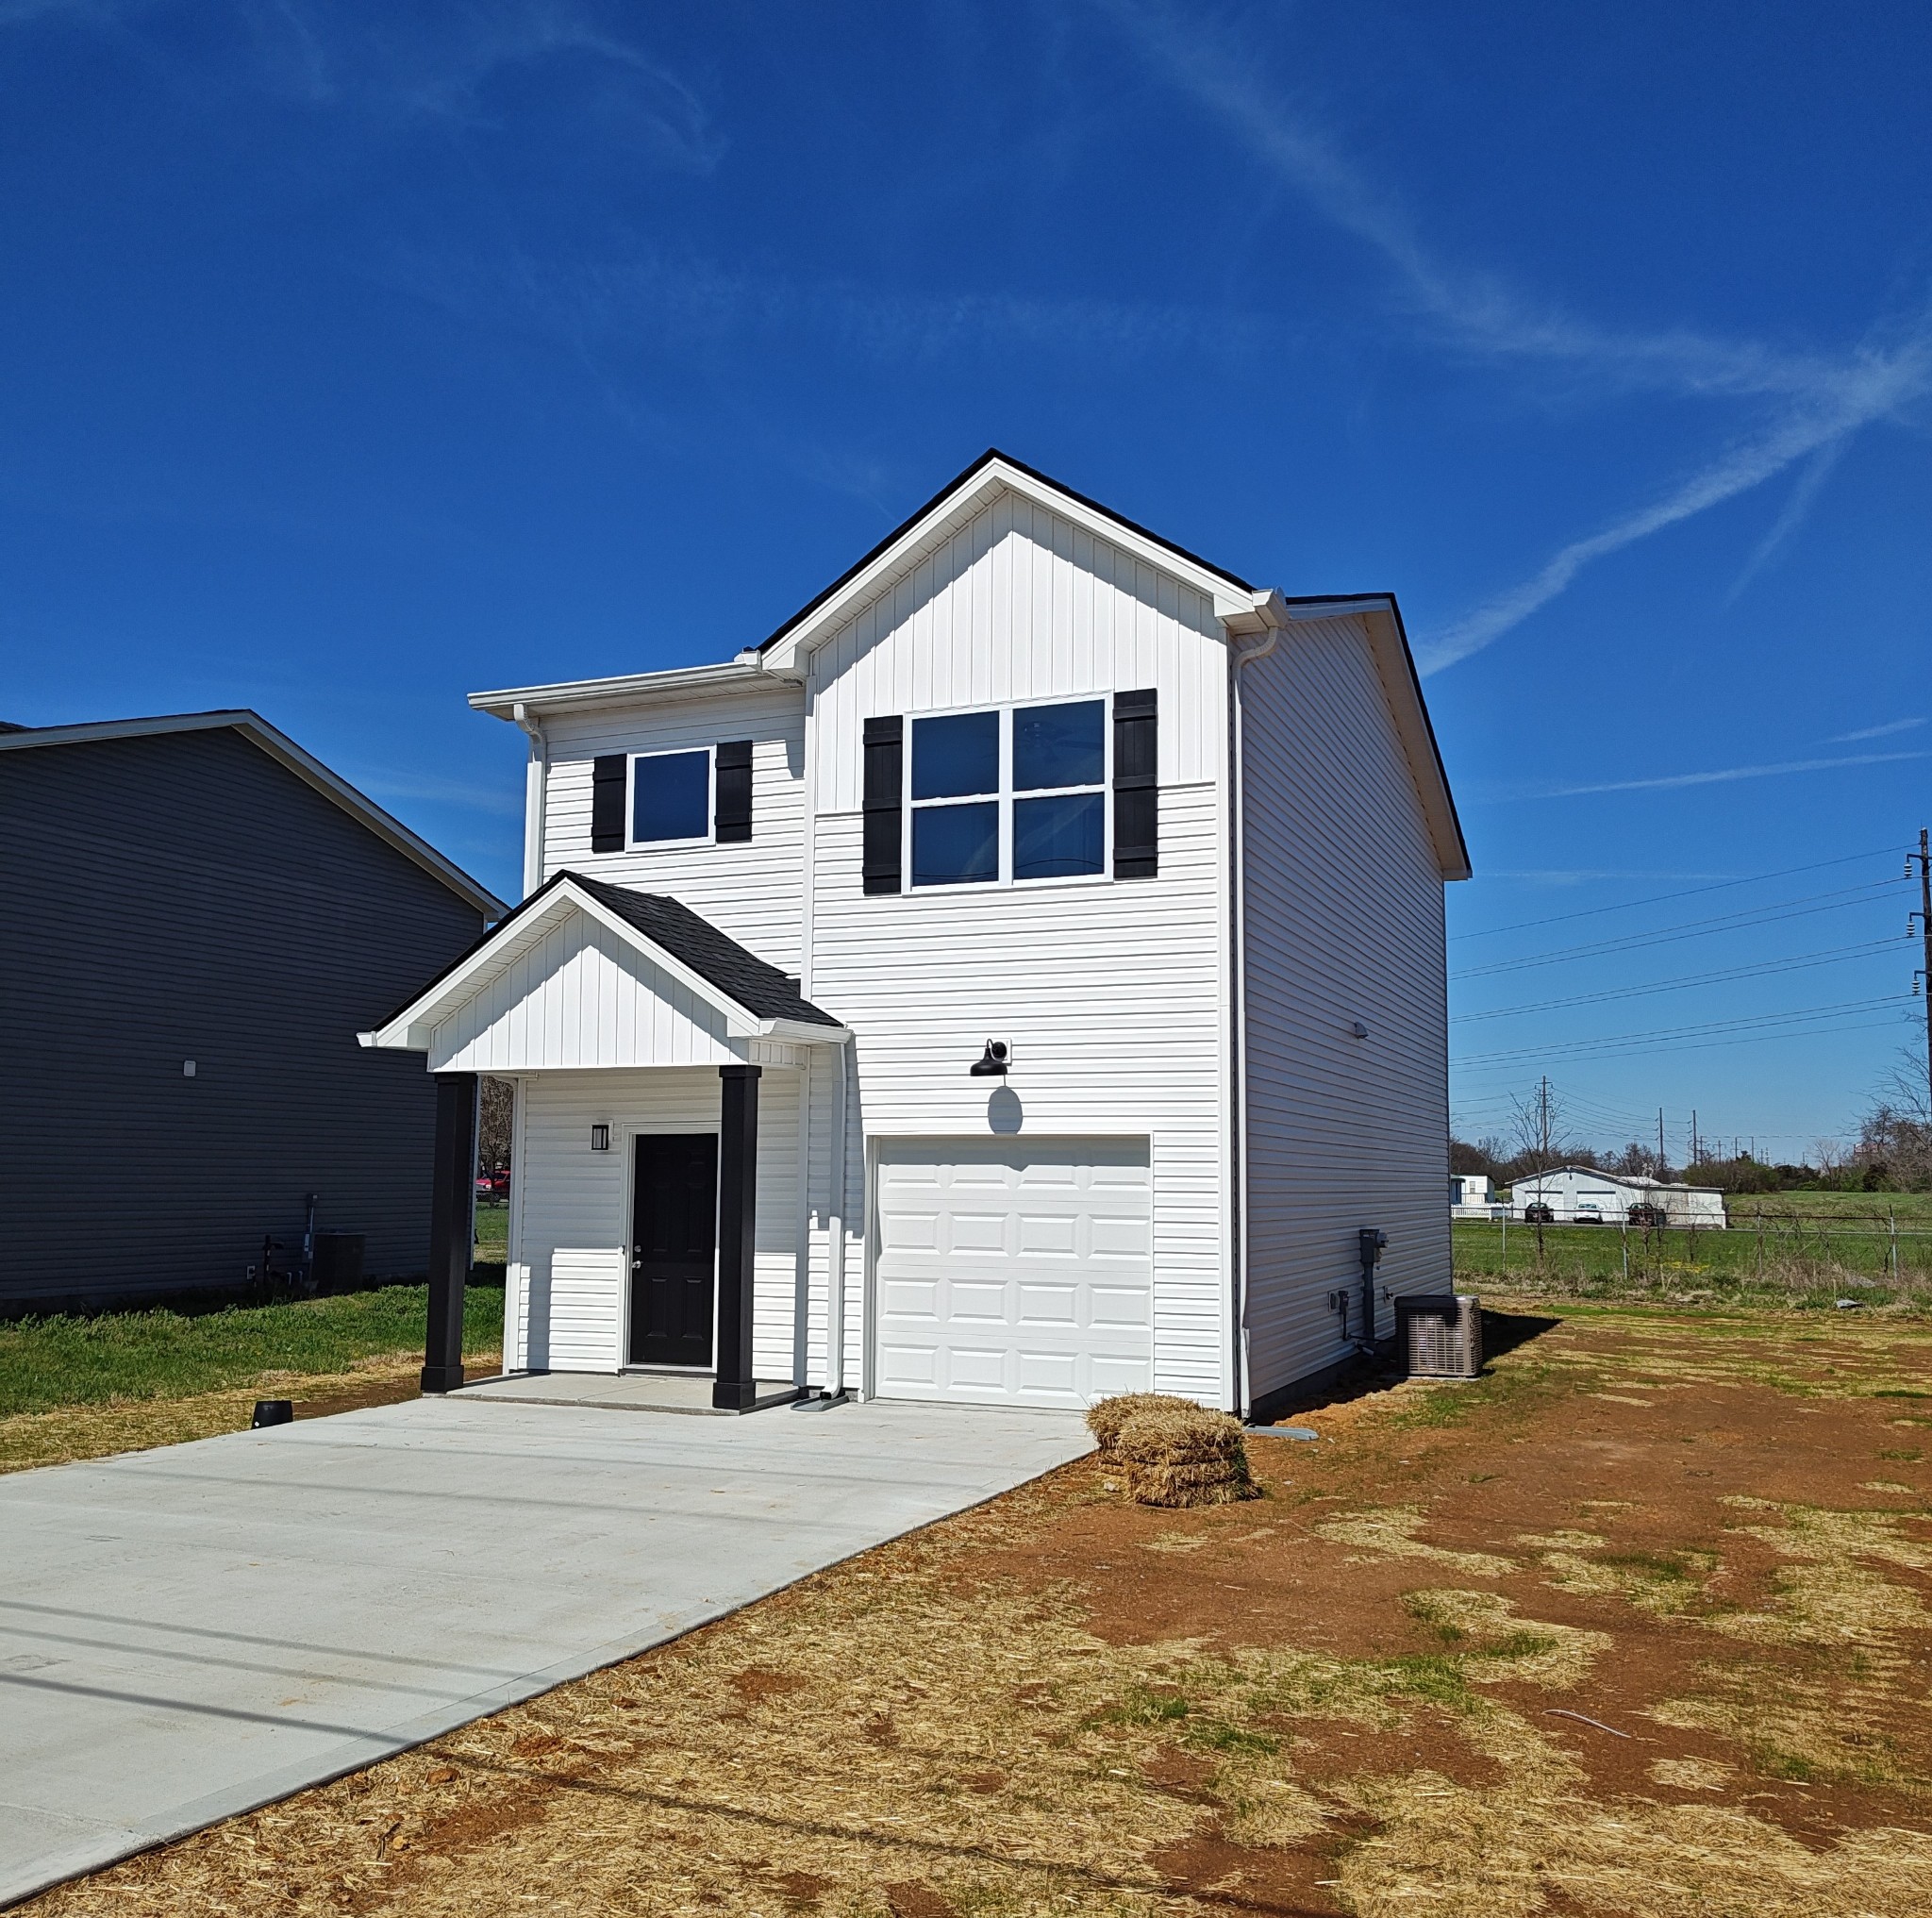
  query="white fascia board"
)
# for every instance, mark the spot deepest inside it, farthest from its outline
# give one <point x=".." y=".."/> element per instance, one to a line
<point x="996" y="476"/>
<point x="625" y="686"/>
<point x="282" y="749"/>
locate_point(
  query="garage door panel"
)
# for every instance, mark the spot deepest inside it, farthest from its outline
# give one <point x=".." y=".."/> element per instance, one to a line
<point x="1014" y="1272"/>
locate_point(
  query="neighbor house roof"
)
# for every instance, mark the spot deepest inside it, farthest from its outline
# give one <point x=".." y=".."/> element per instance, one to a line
<point x="760" y="1000"/>
<point x="281" y="748"/>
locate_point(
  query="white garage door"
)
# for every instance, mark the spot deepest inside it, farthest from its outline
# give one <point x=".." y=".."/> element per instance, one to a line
<point x="1014" y="1272"/>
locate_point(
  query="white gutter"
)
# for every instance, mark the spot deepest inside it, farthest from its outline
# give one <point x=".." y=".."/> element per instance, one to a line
<point x="567" y="692"/>
<point x="536" y="795"/>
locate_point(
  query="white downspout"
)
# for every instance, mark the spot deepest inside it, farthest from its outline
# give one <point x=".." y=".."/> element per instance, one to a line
<point x="1270" y="616"/>
<point x="835" y="1250"/>
<point x="536" y="791"/>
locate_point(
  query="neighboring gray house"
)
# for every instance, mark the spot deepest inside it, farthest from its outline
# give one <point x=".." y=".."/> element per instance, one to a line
<point x="199" y="917"/>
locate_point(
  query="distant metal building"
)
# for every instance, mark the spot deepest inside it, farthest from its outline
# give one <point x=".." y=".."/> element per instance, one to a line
<point x="1580" y="1194"/>
<point x="199" y="917"/>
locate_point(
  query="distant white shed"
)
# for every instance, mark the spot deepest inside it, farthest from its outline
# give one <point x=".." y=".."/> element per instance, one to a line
<point x="1581" y="1195"/>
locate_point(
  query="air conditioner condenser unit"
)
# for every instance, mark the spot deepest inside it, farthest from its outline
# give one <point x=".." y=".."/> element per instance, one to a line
<point x="1439" y="1335"/>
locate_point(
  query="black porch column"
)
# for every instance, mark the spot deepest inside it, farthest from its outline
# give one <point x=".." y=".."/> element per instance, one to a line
<point x="737" y="1182"/>
<point x="452" y="1222"/>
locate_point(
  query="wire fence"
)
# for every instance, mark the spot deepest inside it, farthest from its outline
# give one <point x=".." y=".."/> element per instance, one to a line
<point x="1778" y="1249"/>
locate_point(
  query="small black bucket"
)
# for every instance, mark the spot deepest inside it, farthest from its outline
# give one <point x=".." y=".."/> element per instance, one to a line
<point x="273" y="1412"/>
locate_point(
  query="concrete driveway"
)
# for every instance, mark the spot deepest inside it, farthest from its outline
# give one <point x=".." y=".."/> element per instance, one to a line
<point x="189" y="1632"/>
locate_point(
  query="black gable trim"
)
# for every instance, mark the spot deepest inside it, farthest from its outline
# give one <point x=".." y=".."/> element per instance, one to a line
<point x="952" y="486"/>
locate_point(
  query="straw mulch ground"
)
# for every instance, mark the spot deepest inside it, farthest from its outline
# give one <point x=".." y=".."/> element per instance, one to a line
<point x="130" y="1425"/>
<point x="1638" y="1626"/>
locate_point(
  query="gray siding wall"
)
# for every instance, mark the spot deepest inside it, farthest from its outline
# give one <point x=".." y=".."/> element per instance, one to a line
<point x="1344" y="923"/>
<point x="185" y="896"/>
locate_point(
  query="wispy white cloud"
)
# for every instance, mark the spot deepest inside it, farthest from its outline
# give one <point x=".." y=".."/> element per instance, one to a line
<point x="1811" y="482"/>
<point x="1723" y="775"/>
<point x="1874" y="732"/>
<point x="693" y="302"/>
<point x="1823" y="401"/>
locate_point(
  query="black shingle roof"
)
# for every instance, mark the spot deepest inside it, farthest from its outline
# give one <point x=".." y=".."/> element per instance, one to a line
<point x="713" y="955"/>
<point x="761" y="989"/>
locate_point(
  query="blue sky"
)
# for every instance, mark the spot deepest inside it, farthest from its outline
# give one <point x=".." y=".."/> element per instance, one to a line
<point x="357" y="357"/>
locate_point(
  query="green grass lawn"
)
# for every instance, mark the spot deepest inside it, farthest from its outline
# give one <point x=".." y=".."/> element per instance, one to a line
<point x="493" y="1232"/>
<point x="1773" y="1253"/>
<point x="71" y="1360"/>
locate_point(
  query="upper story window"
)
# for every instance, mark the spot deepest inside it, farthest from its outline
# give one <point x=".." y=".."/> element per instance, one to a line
<point x="1016" y="794"/>
<point x="670" y="797"/>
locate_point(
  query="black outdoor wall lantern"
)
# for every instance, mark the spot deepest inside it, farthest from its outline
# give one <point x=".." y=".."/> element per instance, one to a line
<point x="991" y="1063"/>
<point x="600" y="1138"/>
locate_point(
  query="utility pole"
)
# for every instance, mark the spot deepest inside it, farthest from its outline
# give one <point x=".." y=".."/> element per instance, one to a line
<point x="1694" y="1134"/>
<point x="1661" y="1161"/>
<point x="1924" y="855"/>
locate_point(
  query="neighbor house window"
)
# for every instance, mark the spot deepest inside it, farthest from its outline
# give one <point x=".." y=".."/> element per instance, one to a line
<point x="1016" y="794"/>
<point x="670" y="797"/>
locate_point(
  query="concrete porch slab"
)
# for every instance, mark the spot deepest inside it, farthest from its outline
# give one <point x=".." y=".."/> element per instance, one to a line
<point x="189" y="1632"/>
<point x="655" y="1391"/>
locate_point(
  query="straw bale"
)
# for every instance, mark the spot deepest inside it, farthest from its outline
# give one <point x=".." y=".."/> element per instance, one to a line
<point x="1181" y="1435"/>
<point x="1105" y="1419"/>
<point x="1177" y="1486"/>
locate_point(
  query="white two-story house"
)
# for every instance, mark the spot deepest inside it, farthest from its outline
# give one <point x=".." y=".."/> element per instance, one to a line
<point x="1019" y="979"/>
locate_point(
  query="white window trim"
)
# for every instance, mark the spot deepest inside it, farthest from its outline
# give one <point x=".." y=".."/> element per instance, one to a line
<point x="710" y="835"/>
<point x="1005" y="797"/>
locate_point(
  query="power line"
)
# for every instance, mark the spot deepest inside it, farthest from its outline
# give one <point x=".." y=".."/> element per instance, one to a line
<point x="1798" y="962"/>
<point x="1695" y="929"/>
<point x="1664" y="898"/>
<point x="1706" y="1044"/>
<point x="1761" y="1021"/>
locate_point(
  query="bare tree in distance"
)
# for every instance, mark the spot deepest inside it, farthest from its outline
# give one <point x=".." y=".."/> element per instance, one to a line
<point x="1895" y="1146"/>
<point x="1537" y="1122"/>
<point x="498" y="1100"/>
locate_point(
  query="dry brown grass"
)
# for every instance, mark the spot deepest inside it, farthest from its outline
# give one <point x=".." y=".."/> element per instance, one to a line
<point x="950" y="1727"/>
<point x="133" y="1424"/>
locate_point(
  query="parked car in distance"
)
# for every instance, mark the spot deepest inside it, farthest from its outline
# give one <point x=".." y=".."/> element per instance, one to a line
<point x="1644" y="1217"/>
<point x="1539" y="1215"/>
<point x="493" y="1185"/>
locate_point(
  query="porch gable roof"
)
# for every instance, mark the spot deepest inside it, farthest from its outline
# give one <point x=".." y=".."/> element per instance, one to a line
<point x="756" y="1000"/>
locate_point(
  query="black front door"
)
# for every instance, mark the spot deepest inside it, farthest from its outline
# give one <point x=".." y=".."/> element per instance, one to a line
<point x="674" y="1249"/>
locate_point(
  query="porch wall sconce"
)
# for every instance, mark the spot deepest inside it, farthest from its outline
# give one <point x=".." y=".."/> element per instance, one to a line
<point x="993" y="1063"/>
<point x="600" y="1138"/>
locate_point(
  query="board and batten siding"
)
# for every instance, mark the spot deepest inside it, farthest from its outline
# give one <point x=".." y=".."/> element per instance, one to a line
<point x="1343" y="922"/>
<point x="566" y="1291"/>
<point x="753" y="889"/>
<point x="1020" y="604"/>
<point x="182" y="895"/>
<point x="580" y="997"/>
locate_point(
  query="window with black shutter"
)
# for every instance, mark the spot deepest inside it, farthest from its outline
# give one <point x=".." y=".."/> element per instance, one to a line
<point x="1136" y="786"/>
<point x="732" y="821"/>
<point x="610" y="774"/>
<point x="885" y="786"/>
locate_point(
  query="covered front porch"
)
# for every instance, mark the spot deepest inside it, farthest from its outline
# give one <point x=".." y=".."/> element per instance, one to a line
<point x="660" y="1220"/>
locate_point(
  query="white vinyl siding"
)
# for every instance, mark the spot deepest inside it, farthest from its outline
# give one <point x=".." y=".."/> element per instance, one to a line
<point x="1111" y="998"/>
<point x="566" y="1298"/>
<point x="1019" y="607"/>
<point x="1013" y="1270"/>
<point x="751" y="890"/>
<point x="1344" y="923"/>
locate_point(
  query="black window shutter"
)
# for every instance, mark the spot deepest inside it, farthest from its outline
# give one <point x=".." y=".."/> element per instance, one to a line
<point x="885" y="782"/>
<point x="610" y="774"/>
<point x="1136" y="786"/>
<point x="732" y="821"/>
